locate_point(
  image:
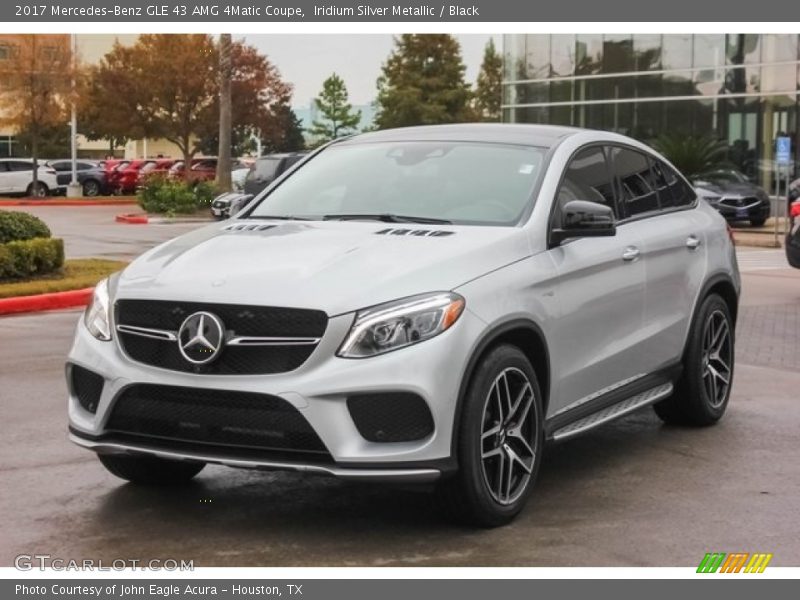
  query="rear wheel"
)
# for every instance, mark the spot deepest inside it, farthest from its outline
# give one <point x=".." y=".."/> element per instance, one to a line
<point x="702" y="393"/>
<point x="37" y="190"/>
<point x="150" y="470"/>
<point x="500" y="440"/>
<point x="91" y="187"/>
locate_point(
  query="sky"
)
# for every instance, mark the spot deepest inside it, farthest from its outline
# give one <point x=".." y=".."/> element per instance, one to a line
<point x="307" y="60"/>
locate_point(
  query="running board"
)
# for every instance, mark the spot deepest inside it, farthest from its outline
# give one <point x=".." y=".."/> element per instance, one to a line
<point x="615" y="411"/>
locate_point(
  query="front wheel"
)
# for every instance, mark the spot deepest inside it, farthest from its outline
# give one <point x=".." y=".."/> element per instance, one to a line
<point x="150" y="470"/>
<point x="702" y="393"/>
<point x="500" y="441"/>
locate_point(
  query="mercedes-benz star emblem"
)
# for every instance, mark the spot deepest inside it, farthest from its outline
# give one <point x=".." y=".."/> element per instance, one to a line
<point x="200" y="337"/>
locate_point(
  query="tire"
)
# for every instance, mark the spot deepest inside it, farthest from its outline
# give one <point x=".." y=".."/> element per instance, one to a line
<point x="701" y="394"/>
<point x="477" y="495"/>
<point x="39" y="190"/>
<point x="757" y="222"/>
<point x="91" y="188"/>
<point x="150" y="470"/>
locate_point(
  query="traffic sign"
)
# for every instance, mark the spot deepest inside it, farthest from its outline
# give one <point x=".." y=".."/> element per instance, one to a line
<point x="783" y="150"/>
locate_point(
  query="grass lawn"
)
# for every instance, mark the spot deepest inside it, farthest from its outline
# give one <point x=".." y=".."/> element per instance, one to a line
<point x="76" y="274"/>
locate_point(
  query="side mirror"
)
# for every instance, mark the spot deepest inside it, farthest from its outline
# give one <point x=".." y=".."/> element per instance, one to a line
<point x="580" y="218"/>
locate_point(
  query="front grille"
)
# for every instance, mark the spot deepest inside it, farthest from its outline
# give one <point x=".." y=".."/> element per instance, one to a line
<point x="87" y="387"/>
<point x="740" y="202"/>
<point x="230" y="422"/>
<point x="239" y="320"/>
<point x="390" y="416"/>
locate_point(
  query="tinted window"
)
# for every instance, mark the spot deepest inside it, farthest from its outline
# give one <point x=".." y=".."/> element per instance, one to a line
<point x="84" y="166"/>
<point x="637" y="193"/>
<point x="661" y="185"/>
<point x="462" y="182"/>
<point x="264" y="169"/>
<point x="60" y="166"/>
<point x="587" y="178"/>
<point x="16" y="165"/>
<point x="682" y="192"/>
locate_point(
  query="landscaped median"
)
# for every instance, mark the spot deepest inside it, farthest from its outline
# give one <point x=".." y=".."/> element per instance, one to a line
<point x="69" y="286"/>
<point x="33" y="273"/>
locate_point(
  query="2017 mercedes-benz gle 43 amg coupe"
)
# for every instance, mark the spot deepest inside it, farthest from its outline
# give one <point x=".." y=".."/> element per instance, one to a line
<point x="427" y="304"/>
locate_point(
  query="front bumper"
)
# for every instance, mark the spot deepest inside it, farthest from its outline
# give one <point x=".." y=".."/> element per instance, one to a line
<point x="759" y="210"/>
<point x="318" y="389"/>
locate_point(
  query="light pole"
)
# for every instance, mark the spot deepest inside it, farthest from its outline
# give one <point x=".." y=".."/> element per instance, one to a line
<point x="74" y="189"/>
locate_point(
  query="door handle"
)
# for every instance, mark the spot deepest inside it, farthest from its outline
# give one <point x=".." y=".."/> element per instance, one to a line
<point x="692" y="242"/>
<point x="631" y="253"/>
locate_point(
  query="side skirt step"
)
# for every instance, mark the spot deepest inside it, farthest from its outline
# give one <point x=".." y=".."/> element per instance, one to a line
<point x="615" y="411"/>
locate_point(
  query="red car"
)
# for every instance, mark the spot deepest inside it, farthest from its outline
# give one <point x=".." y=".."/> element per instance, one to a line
<point x="155" y="167"/>
<point x="202" y="169"/>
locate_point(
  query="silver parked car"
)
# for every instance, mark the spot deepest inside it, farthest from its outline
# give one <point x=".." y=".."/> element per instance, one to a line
<point x="417" y="305"/>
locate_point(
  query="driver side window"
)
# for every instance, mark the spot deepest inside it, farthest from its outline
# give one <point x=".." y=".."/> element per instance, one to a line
<point x="587" y="177"/>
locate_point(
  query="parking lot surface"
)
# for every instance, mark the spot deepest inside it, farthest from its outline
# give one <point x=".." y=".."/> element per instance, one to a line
<point x="634" y="493"/>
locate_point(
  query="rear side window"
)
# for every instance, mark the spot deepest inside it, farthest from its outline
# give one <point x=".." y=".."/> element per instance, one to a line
<point x="264" y="169"/>
<point x="637" y="190"/>
<point x="587" y="178"/>
<point x="681" y="193"/>
<point x="16" y="165"/>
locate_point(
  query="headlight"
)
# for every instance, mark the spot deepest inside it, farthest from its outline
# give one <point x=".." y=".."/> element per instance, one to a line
<point x="708" y="196"/>
<point x="401" y="323"/>
<point x="96" y="317"/>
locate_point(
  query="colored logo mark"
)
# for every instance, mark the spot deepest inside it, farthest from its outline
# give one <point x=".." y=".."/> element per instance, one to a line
<point x="736" y="562"/>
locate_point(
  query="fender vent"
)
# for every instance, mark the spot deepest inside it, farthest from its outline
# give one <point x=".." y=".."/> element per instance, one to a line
<point x="415" y="232"/>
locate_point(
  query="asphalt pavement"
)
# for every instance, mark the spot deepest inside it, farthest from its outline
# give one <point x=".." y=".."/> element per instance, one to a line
<point x="633" y="493"/>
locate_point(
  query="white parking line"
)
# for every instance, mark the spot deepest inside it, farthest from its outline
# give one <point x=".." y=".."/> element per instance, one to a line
<point x="761" y="260"/>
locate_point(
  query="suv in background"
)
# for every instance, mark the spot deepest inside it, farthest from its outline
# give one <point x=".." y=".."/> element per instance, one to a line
<point x="267" y="169"/>
<point x="91" y="176"/>
<point x="16" y="178"/>
<point x="420" y="305"/>
<point x="262" y="173"/>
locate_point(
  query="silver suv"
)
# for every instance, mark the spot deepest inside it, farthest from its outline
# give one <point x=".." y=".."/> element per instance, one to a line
<point x="428" y="304"/>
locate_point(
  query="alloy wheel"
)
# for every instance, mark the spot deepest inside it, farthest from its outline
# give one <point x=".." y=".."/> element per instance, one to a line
<point x="717" y="358"/>
<point x="508" y="436"/>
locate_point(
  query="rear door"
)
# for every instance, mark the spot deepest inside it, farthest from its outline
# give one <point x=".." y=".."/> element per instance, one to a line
<point x="596" y="341"/>
<point x="673" y="249"/>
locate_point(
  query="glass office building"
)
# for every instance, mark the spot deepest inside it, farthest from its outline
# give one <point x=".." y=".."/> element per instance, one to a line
<point x="742" y="88"/>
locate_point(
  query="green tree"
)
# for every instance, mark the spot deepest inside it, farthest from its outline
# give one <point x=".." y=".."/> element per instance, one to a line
<point x="422" y="82"/>
<point x="693" y="155"/>
<point x="291" y="132"/>
<point x="337" y="115"/>
<point x="489" y="87"/>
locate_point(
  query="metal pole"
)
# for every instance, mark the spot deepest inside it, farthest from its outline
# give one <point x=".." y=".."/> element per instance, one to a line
<point x="776" y="210"/>
<point x="74" y="189"/>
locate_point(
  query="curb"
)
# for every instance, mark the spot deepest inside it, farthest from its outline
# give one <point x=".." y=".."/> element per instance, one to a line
<point x="40" y="302"/>
<point x="31" y="202"/>
<point x="132" y="219"/>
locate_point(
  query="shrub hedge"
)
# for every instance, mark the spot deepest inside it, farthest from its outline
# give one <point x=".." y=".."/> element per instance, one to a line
<point x="15" y="226"/>
<point x="24" y="258"/>
<point x="160" y="194"/>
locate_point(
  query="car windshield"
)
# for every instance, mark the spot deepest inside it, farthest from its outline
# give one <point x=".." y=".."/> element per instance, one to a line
<point x="458" y="182"/>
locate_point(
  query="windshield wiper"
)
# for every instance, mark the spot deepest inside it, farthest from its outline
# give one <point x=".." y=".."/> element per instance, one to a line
<point x="386" y="218"/>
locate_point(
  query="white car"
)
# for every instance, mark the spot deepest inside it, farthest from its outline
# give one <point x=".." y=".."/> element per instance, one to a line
<point x="426" y="304"/>
<point x="16" y="177"/>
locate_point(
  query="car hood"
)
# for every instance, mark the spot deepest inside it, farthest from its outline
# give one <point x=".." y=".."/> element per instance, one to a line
<point x="333" y="266"/>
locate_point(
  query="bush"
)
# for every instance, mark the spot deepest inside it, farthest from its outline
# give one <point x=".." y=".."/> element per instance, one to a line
<point x="693" y="155"/>
<point x="16" y="226"/>
<point x="36" y="256"/>
<point x="159" y="194"/>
